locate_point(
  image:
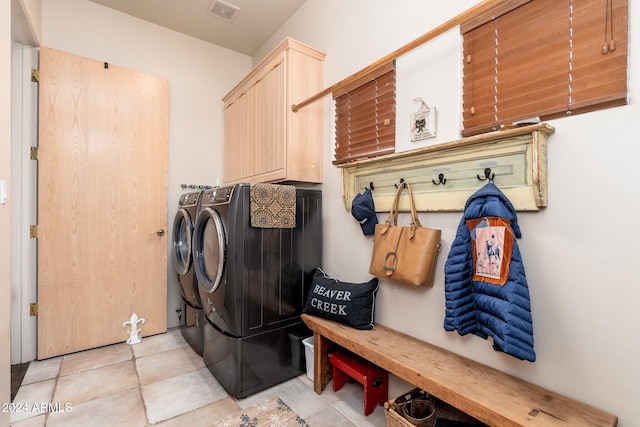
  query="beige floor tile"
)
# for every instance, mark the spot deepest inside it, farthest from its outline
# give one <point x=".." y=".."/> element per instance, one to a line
<point x="352" y="407"/>
<point x="298" y="394"/>
<point x="205" y="416"/>
<point x="329" y="417"/>
<point x="157" y="343"/>
<point x="160" y="366"/>
<point x="95" y="383"/>
<point x="301" y="398"/>
<point x="119" y="409"/>
<point x="259" y="397"/>
<point x="40" y="370"/>
<point x="328" y="394"/>
<point x="30" y="398"/>
<point x="39" y="421"/>
<point x="181" y="394"/>
<point x="165" y="384"/>
<point x="95" y="358"/>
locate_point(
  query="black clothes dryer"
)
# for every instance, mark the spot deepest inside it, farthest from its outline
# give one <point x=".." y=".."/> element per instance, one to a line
<point x="253" y="285"/>
<point x="192" y="322"/>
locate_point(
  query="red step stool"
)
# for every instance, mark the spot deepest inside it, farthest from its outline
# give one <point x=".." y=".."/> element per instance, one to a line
<point x="374" y="379"/>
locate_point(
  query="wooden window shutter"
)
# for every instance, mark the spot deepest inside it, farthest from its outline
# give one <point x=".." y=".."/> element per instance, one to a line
<point x="544" y="59"/>
<point x="365" y="116"/>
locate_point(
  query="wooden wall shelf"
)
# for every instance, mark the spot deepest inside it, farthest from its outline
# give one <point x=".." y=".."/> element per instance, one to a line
<point x="517" y="156"/>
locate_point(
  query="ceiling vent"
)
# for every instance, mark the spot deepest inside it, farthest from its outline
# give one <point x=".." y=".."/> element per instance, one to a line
<point x="223" y="10"/>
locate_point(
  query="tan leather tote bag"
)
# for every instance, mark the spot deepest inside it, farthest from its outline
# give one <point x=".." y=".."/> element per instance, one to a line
<point x="406" y="254"/>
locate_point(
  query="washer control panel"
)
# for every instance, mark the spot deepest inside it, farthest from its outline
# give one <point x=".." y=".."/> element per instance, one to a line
<point x="223" y="194"/>
<point x="218" y="195"/>
<point x="189" y="199"/>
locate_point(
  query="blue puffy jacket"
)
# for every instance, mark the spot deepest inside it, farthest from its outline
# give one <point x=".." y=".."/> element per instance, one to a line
<point x="485" y="309"/>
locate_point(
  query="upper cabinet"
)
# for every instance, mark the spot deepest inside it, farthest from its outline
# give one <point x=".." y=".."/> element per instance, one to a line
<point x="264" y="141"/>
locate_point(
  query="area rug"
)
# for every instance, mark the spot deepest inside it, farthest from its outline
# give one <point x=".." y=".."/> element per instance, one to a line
<point x="270" y="413"/>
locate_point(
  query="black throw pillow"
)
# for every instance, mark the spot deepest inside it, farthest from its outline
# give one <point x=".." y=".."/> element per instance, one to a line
<point x="349" y="303"/>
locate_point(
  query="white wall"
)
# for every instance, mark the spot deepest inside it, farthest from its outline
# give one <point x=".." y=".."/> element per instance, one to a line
<point x="29" y="23"/>
<point x="199" y="75"/>
<point x="5" y="210"/>
<point x="580" y="253"/>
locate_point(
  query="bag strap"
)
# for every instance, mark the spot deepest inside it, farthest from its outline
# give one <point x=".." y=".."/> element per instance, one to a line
<point x="415" y="222"/>
<point x="393" y="212"/>
<point x="395" y="209"/>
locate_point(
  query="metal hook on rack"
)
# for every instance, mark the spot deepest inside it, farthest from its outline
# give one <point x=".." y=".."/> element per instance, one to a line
<point x="370" y="187"/>
<point x="487" y="175"/>
<point x="195" y="187"/>
<point x="401" y="181"/>
<point x="441" y="180"/>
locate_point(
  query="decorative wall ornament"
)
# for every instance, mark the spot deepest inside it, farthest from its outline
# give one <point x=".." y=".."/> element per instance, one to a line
<point x="423" y="123"/>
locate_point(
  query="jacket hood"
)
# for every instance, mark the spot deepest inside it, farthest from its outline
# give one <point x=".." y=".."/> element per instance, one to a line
<point x="490" y="201"/>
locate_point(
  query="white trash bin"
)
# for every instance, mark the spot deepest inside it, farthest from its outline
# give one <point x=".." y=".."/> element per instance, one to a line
<point x="308" y="353"/>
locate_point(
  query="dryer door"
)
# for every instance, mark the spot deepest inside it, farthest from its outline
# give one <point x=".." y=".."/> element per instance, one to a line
<point x="182" y="232"/>
<point x="209" y="245"/>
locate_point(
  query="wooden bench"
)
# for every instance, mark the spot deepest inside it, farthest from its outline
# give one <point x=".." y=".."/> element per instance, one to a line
<point x="489" y="395"/>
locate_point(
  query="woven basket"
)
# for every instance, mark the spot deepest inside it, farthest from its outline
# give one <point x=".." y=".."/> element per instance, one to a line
<point x="395" y="418"/>
<point x="393" y="408"/>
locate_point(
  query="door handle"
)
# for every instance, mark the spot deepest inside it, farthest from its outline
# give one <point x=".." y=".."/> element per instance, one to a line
<point x="160" y="232"/>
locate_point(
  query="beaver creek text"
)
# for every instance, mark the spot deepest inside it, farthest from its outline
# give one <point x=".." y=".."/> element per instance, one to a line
<point x="328" y="306"/>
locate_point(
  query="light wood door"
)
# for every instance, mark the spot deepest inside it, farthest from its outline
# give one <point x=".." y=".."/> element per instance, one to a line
<point x="102" y="203"/>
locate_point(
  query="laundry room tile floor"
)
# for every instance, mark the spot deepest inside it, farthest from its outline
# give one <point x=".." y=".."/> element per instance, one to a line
<point x="161" y="382"/>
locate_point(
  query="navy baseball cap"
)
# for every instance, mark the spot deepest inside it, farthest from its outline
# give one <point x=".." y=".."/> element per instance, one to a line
<point x="363" y="210"/>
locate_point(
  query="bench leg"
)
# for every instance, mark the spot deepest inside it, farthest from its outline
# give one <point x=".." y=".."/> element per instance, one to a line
<point x="320" y="362"/>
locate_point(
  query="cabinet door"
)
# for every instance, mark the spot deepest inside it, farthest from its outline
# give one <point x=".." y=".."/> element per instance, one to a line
<point x="276" y="144"/>
<point x="269" y="135"/>
<point x="235" y="136"/>
<point x="255" y="117"/>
